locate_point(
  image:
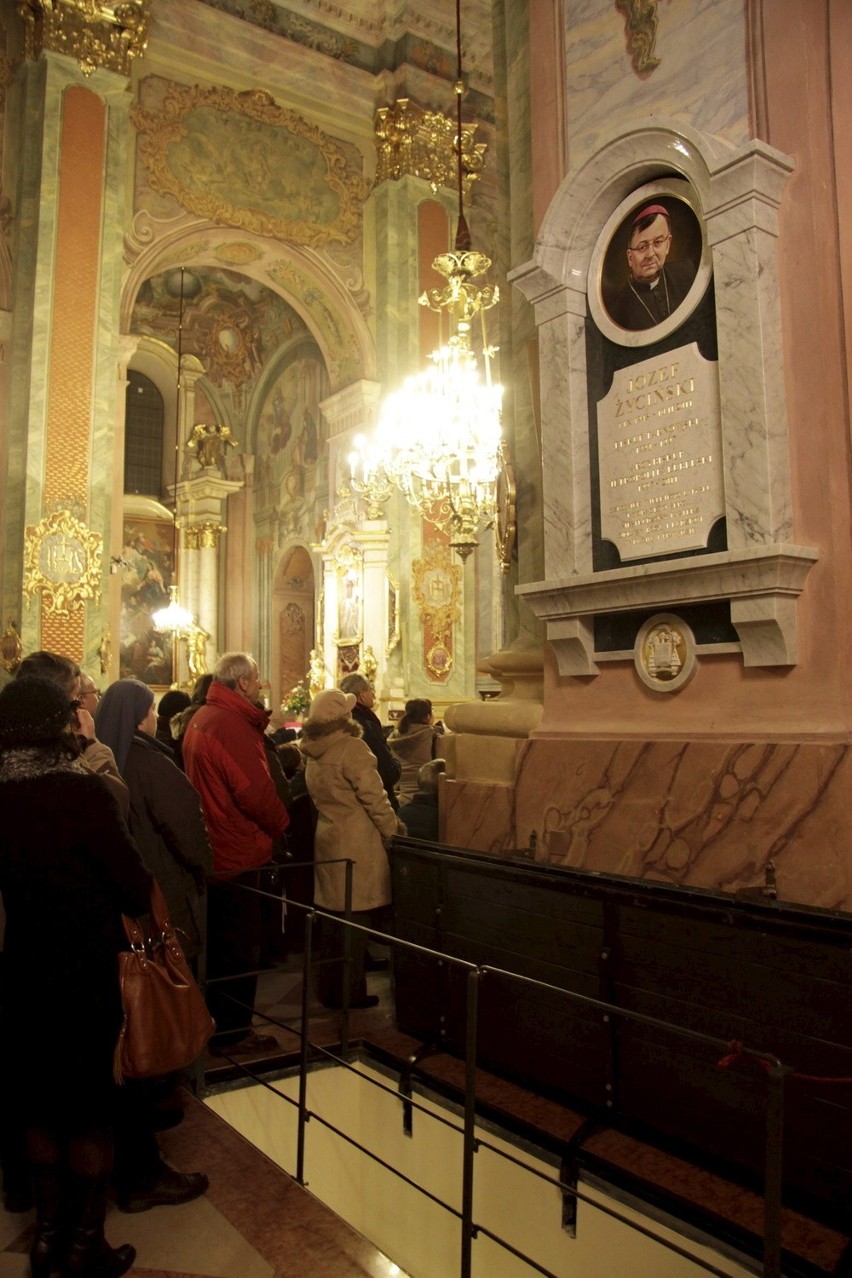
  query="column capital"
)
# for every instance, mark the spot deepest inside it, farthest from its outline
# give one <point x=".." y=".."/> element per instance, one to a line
<point x="100" y="35"/>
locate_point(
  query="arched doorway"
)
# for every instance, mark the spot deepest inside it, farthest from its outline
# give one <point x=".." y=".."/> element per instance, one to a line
<point x="294" y="606"/>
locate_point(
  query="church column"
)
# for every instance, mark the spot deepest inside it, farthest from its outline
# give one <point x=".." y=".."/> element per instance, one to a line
<point x="63" y="389"/>
<point x="373" y="539"/>
<point x="202" y="503"/>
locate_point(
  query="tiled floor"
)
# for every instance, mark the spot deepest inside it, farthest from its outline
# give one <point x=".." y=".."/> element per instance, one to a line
<point x="254" y="1222"/>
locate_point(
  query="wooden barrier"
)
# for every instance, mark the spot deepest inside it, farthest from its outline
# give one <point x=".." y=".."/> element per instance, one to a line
<point x="774" y="976"/>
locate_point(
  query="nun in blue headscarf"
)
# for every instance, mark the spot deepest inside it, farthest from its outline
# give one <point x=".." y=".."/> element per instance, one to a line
<point x="165" y="811"/>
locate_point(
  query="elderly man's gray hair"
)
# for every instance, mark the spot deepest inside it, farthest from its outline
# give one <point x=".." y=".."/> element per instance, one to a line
<point x="355" y="683"/>
<point x="233" y="666"/>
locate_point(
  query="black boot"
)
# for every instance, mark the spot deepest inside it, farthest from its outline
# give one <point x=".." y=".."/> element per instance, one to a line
<point x="89" y="1253"/>
<point x="47" y="1251"/>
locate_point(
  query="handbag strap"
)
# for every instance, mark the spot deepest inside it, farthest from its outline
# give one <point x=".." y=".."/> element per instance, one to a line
<point x="160" y="922"/>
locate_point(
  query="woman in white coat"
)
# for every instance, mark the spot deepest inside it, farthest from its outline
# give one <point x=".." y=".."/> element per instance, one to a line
<point x="354" y="820"/>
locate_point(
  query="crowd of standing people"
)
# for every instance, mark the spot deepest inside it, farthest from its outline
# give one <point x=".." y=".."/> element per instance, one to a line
<point x="104" y="794"/>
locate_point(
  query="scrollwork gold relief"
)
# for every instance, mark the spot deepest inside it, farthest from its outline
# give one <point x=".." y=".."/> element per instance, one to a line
<point x="62" y="560"/>
<point x="437" y="591"/>
<point x="241" y="160"/>
<point x="97" y="34"/>
<point x="437" y="586"/>
<point x="421" y="143"/>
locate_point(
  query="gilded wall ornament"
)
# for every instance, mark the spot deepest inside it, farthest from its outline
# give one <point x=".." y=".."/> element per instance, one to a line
<point x="241" y="160"/>
<point x="640" y="30"/>
<point x="421" y="143"/>
<point x="203" y="536"/>
<point x="11" y="648"/>
<point x="98" y="33"/>
<point x="437" y="591"/>
<point x="393" y="635"/>
<point x="62" y="560"/>
<point x="506" y="521"/>
<point x="196" y="651"/>
<point x="437" y="586"/>
<point x="664" y="653"/>
<point x="105" y="650"/>
<point x="369" y="664"/>
<point x="210" y="442"/>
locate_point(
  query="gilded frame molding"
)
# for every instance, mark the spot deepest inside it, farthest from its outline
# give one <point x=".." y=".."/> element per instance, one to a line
<point x="159" y="128"/>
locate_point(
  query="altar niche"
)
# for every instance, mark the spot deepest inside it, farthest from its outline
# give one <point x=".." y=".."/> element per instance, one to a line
<point x="664" y="448"/>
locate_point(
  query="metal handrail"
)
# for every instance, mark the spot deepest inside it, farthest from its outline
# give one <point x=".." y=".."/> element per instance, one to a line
<point x="776" y="1075"/>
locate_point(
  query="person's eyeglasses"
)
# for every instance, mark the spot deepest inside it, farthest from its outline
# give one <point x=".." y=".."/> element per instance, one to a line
<point x="644" y="245"/>
<point x="92" y="692"/>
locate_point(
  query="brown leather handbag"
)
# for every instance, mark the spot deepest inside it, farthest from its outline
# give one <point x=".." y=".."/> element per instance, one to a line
<point x="166" y="1022"/>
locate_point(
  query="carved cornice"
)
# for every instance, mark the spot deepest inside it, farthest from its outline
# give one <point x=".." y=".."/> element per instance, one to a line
<point x="421" y="144"/>
<point x="218" y="152"/>
<point x="97" y="33"/>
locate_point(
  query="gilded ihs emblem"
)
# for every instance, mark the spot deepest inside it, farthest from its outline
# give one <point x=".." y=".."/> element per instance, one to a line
<point x="62" y="559"/>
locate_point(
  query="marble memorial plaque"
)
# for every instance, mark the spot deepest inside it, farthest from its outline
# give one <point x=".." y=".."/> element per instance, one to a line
<point x="660" y="454"/>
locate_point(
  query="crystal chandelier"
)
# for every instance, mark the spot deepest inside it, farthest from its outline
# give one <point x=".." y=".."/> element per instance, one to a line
<point x="174" y="617"/>
<point x="439" y="436"/>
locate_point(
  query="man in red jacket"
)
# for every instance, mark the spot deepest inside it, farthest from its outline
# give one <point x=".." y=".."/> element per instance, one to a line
<point x="225" y="760"/>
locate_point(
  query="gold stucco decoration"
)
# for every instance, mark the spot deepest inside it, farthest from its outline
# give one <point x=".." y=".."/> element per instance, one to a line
<point x="210" y="442"/>
<point x="62" y="560"/>
<point x="437" y="587"/>
<point x="422" y="143"/>
<point x="241" y="160"/>
<point x="203" y="536"/>
<point x="640" y="30"/>
<point x="96" y="33"/>
<point x="105" y="650"/>
<point x="240" y="253"/>
<point x="11" y="648"/>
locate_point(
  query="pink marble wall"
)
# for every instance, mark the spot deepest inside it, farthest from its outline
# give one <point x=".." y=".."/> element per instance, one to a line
<point x="699" y="813"/>
<point x="617" y="778"/>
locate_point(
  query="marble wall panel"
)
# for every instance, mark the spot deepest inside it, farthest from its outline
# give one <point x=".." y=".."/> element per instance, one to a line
<point x="705" y="814"/>
<point x="701" y="78"/>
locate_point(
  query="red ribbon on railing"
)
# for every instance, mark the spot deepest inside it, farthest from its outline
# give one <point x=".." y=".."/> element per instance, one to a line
<point x="737" y="1053"/>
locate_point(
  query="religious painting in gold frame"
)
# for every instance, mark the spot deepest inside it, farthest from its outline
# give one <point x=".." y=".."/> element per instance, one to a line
<point x="148" y="559"/>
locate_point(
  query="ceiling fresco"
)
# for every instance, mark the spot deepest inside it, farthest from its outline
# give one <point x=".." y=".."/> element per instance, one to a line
<point x="232" y="324"/>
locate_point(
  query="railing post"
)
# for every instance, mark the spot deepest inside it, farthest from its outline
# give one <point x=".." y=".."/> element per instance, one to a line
<point x="347" y="962"/>
<point x="774" y="1174"/>
<point x="469" y="1150"/>
<point x="310" y="919"/>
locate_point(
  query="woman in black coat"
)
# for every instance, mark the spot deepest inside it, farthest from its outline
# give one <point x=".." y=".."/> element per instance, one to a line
<point x="165" y="810"/>
<point x="68" y="870"/>
<point x="166" y="822"/>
